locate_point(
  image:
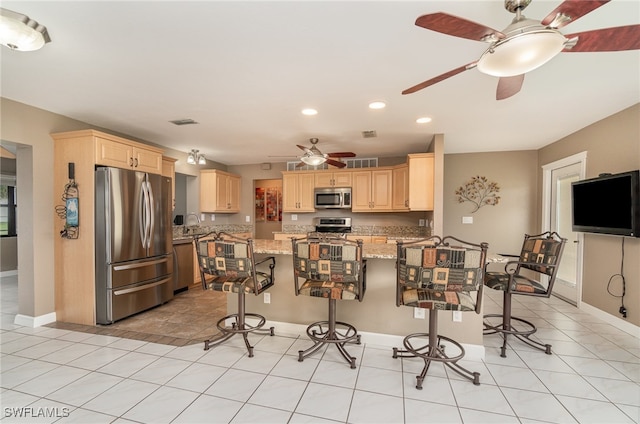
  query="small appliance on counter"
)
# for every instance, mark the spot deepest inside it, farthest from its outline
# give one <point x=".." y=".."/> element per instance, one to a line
<point x="178" y="220"/>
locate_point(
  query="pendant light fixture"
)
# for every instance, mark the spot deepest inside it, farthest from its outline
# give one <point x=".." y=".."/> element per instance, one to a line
<point x="195" y="157"/>
<point x="20" y="32"/>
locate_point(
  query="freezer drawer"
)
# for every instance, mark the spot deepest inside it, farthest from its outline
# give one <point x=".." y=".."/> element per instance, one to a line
<point x="125" y="273"/>
<point x="130" y="300"/>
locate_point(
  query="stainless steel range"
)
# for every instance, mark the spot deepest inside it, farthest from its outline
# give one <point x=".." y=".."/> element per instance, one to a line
<point x="332" y="225"/>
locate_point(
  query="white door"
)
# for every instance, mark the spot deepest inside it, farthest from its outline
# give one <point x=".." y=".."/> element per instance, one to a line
<point x="558" y="177"/>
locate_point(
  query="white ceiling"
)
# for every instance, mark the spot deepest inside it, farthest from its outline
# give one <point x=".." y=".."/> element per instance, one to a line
<point x="244" y="70"/>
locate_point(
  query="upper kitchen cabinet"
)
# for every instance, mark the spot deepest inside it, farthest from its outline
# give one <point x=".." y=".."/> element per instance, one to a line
<point x="333" y="179"/>
<point x="121" y="153"/>
<point x="297" y="191"/>
<point x="219" y="191"/>
<point x="169" y="170"/>
<point x="372" y="190"/>
<point x="421" y="181"/>
<point x="401" y="188"/>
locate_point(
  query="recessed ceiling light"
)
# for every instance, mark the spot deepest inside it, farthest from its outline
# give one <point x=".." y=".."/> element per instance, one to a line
<point x="377" y="105"/>
<point x="423" y="120"/>
<point x="309" y="112"/>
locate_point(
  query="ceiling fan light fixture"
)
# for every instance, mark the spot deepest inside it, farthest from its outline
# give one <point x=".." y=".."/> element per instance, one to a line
<point x="521" y="53"/>
<point x="313" y="160"/>
<point x="19" y="32"/>
<point x="378" y="104"/>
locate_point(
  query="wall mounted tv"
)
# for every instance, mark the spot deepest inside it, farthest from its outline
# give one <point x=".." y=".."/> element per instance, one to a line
<point x="609" y="204"/>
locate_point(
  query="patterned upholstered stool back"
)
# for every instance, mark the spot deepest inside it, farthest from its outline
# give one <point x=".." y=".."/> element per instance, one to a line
<point x="541" y="253"/>
<point x="439" y="273"/>
<point x="331" y="267"/>
<point x="230" y="262"/>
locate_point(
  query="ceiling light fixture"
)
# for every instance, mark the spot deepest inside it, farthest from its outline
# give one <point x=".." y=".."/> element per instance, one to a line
<point x="195" y="157"/>
<point x="377" y="105"/>
<point x="423" y="120"/>
<point x="19" y="32"/>
<point x="313" y="160"/>
<point x="527" y="46"/>
<point x="309" y="112"/>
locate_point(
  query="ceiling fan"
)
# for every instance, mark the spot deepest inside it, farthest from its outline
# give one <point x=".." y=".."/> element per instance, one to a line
<point x="313" y="156"/>
<point x="526" y="44"/>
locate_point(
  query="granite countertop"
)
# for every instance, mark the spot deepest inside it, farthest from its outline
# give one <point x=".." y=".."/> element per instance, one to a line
<point x="283" y="247"/>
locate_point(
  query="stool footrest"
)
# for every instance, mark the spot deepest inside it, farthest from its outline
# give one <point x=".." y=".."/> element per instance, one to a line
<point x="521" y="334"/>
<point x="338" y="334"/>
<point x="238" y="326"/>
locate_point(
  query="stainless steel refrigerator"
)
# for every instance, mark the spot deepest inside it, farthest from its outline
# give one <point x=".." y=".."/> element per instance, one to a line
<point x="134" y="261"/>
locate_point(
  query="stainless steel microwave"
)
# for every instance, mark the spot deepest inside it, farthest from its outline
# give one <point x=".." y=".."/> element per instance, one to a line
<point x="332" y="198"/>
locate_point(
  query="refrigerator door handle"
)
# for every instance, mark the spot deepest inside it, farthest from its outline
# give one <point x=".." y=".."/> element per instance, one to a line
<point x="140" y="264"/>
<point x="142" y="214"/>
<point x="151" y="214"/>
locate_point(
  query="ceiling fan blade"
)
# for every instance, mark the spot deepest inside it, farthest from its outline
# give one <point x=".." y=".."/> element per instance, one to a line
<point x="341" y="155"/>
<point x="306" y="149"/>
<point x="439" y="78"/>
<point x="336" y="163"/>
<point x="606" y="39"/>
<point x="574" y="9"/>
<point x="508" y="86"/>
<point x="458" y="27"/>
<point x="300" y="165"/>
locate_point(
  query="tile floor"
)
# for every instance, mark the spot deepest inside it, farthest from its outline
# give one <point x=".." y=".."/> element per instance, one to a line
<point x="65" y="376"/>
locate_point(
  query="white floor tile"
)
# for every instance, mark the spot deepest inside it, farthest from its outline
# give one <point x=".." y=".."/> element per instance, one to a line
<point x="617" y="391"/>
<point x="426" y="412"/>
<point x="368" y="407"/>
<point x="517" y="378"/>
<point x="592" y="411"/>
<point x="161" y="406"/>
<point x="128" y="364"/>
<point x="264" y="364"/>
<point x="84" y="389"/>
<point x="484" y="397"/>
<point x="289" y="367"/>
<point x="70" y="353"/>
<point x="380" y="381"/>
<point x="84" y="416"/>
<point x="590" y="367"/>
<point x="254" y="414"/>
<point x="330" y="402"/>
<point x="568" y="385"/>
<point x="98" y="358"/>
<point x="335" y="373"/>
<point x="197" y="377"/>
<point x="118" y="399"/>
<point x="279" y="393"/>
<point x="482" y="417"/>
<point x="209" y="409"/>
<point x="25" y="372"/>
<point x="52" y="381"/>
<point x="434" y="389"/>
<point x="222" y="356"/>
<point x="161" y="370"/>
<point x="380" y="358"/>
<point x="236" y="385"/>
<point x="537" y="406"/>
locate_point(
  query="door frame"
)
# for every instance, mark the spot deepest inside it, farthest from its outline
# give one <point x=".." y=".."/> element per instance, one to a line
<point x="581" y="159"/>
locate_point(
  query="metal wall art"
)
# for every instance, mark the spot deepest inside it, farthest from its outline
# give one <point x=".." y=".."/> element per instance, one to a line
<point x="479" y="191"/>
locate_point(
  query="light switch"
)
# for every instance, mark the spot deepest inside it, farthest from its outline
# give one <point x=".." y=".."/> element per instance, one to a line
<point x="467" y="220"/>
<point x="247" y="218"/>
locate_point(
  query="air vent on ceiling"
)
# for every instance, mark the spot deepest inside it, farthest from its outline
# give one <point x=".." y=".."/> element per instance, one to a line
<point x="187" y="121"/>
<point x="369" y="134"/>
<point x="354" y="163"/>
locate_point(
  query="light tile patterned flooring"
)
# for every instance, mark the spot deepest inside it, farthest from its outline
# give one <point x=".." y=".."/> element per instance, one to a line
<point x="592" y="377"/>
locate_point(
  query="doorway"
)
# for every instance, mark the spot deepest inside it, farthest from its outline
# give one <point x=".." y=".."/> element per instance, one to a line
<point x="557" y="179"/>
<point x="268" y="207"/>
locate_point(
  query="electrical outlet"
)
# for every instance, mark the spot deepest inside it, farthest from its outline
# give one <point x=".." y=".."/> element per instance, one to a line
<point x="294" y="217"/>
<point x="421" y="222"/>
<point x="457" y="316"/>
<point x="247" y="218"/>
<point x="202" y="217"/>
<point x="418" y="313"/>
<point x="267" y="297"/>
<point x="213" y="216"/>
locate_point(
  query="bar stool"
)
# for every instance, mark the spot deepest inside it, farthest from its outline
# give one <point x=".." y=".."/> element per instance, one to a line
<point x="227" y="264"/>
<point x="331" y="268"/>
<point x="439" y="274"/>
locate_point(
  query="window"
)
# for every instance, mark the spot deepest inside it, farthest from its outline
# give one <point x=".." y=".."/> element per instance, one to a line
<point x="8" y="205"/>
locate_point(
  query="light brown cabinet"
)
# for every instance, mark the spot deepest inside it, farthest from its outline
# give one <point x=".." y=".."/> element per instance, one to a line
<point x="121" y="153"/>
<point x="297" y="191"/>
<point x="421" y="181"/>
<point x="169" y="170"/>
<point x="333" y="179"/>
<point x="219" y="191"/>
<point x="372" y="190"/>
<point x="401" y="188"/>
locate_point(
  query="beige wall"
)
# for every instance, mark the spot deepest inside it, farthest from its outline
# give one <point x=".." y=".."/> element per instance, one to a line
<point x="612" y="145"/>
<point x="504" y="225"/>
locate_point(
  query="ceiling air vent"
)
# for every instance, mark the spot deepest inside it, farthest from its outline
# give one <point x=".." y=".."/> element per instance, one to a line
<point x="187" y="121"/>
<point x="369" y="134"/>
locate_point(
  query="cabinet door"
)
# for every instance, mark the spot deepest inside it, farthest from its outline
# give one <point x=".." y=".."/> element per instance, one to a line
<point x="222" y="193"/>
<point x="323" y="179"/>
<point x="234" y="187"/>
<point x="147" y="161"/>
<point x="208" y="188"/>
<point x="342" y="179"/>
<point x="169" y="170"/>
<point x="361" y="191"/>
<point x="113" y="153"/>
<point x="289" y="193"/>
<point x="381" y="186"/>
<point x="306" y="185"/>
<point x="401" y="188"/>
<point x="421" y="180"/>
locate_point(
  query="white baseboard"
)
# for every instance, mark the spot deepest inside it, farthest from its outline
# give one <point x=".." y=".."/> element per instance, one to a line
<point x="33" y="322"/>
<point x="472" y="352"/>
<point x="619" y="323"/>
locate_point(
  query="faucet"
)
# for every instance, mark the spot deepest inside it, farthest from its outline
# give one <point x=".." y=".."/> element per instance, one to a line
<point x="185" y="229"/>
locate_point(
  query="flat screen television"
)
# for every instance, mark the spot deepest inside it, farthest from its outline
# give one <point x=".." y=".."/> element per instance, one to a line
<point x="609" y="204"/>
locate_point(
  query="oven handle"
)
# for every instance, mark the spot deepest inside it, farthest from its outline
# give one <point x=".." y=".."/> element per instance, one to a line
<point x="139" y="288"/>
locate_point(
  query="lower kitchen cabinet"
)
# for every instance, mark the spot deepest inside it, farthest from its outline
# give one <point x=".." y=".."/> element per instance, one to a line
<point x="183" y="265"/>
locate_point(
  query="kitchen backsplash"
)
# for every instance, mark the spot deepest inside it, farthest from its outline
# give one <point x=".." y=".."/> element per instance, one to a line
<point x="180" y="231"/>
